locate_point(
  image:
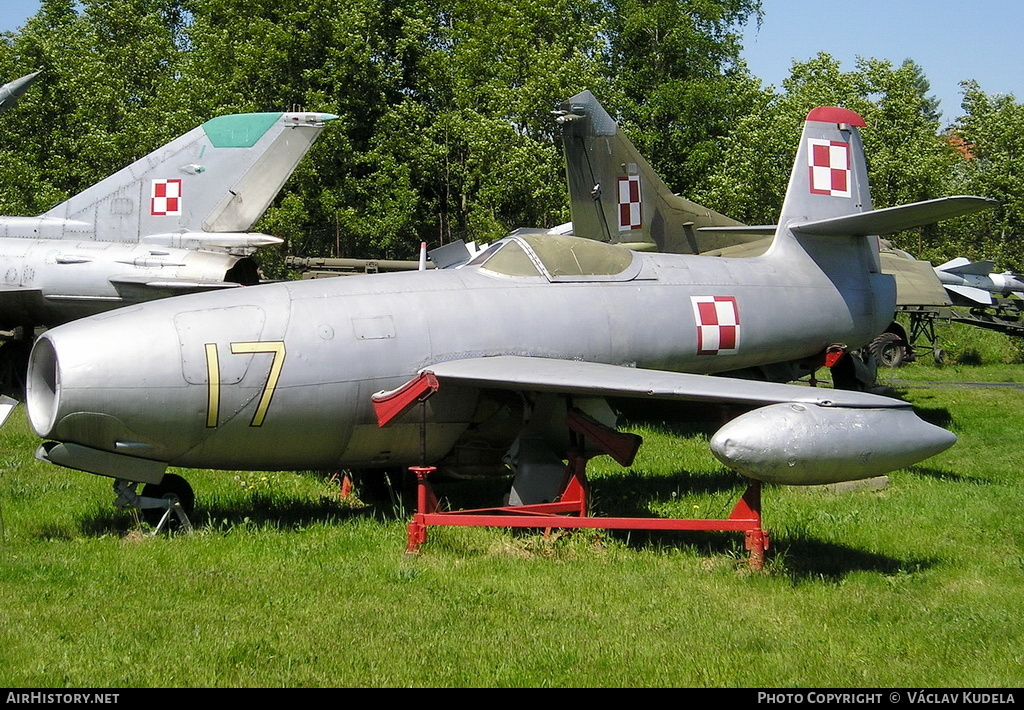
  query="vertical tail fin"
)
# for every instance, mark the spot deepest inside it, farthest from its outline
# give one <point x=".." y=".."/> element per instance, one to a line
<point x="829" y="177"/>
<point x="616" y="196"/>
<point x="219" y="177"/>
<point x="828" y="195"/>
<point x="829" y="180"/>
<point x="827" y="218"/>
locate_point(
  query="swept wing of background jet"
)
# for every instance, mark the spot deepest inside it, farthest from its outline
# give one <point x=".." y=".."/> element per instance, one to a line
<point x="284" y="376"/>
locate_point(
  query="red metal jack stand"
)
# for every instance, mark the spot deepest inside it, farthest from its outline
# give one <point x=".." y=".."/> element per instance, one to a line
<point x="570" y="511"/>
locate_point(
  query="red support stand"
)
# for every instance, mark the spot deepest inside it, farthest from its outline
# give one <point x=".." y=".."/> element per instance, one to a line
<point x="570" y="511"/>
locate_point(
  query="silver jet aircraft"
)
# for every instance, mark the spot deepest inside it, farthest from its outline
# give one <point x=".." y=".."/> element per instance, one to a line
<point x="286" y="376"/>
<point x="175" y="221"/>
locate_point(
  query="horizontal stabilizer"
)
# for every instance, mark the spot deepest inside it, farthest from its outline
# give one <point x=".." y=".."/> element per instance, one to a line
<point x="895" y="219"/>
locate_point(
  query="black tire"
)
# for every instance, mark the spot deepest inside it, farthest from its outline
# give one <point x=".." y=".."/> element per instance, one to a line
<point x="940" y="356"/>
<point x="889" y="350"/>
<point x="380" y="485"/>
<point x="172" y="485"/>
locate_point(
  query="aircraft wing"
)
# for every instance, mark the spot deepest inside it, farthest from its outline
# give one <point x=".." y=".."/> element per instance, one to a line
<point x="973" y="295"/>
<point x="963" y="267"/>
<point x="843" y="435"/>
<point x="536" y="374"/>
<point x="144" y="288"/>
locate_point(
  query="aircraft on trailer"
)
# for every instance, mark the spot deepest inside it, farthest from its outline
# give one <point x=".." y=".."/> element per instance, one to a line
<point x="973" y="283"/>
<point x="536" y="330"/>
<point x="172" y="222"/>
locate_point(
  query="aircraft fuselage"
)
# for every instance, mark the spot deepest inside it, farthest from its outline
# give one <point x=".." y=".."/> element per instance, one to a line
<point x="281" y="375"/>
<point x="53" y="281"/>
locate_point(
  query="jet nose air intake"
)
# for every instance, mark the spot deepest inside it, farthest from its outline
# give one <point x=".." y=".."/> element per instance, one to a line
<point x="43" y="387"/>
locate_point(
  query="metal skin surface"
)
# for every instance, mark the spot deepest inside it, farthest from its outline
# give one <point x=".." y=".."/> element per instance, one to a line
<point x="280" y="376"/>
<point x="13" y="90"/>
<point x="173" y="222"/>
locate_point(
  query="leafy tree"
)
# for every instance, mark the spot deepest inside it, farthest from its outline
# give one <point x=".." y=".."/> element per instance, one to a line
<point x="444" y="129"/>
<point x="908" y="159"/>
<point x="98" y="104"/>
<point x="991" y="137"/>
<point x="677" y="81"/>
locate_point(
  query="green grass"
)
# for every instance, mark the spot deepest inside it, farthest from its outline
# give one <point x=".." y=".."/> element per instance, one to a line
<point x="284" y="584"/>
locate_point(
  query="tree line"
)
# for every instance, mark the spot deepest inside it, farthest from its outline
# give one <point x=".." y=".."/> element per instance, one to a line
<point x="445" y="129"/>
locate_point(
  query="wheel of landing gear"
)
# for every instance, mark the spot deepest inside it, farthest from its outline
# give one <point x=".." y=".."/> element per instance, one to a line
<point x="172" y="486"/>
<point x="889" y="350"/>
<point x="940" y="356"/>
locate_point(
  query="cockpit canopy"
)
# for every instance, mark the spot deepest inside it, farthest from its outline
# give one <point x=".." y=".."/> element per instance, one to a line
<point x="558" y="258"/>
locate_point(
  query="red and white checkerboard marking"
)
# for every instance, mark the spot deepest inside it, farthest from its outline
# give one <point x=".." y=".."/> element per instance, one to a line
<point x="829" y="167"/>
<point x="718" y="324"/>
<point x="629" y="203"/>
<point x="166" y="198"/>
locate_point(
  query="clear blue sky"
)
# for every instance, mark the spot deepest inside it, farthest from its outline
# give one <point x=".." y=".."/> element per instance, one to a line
<point x="952" y="41"/>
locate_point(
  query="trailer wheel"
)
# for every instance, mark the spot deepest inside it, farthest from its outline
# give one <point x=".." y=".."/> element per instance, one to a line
<point x="889" y="350"/>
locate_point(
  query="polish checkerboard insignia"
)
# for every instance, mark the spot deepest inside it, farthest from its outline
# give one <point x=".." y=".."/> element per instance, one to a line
<point x="629" y="203"/>
<point x="166" y="198"/>
<point x="829" y="167"/>
<point x="718" y="324"/>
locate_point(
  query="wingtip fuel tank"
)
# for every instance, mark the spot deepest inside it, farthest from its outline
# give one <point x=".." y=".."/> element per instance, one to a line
<point x="798" y="444"/>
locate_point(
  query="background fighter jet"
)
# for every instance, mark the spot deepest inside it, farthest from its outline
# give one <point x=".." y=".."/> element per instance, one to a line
<point x="12" y="90"/>
<point x="616" y="197"/>
<point x="285" y="376"/>
<point x="973" y="283"/>
<point x="173" y="222"/>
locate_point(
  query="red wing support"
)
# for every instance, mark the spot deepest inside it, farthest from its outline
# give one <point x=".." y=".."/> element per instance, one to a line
<point x="390" y="405"/>
<point x="570" y="510"/>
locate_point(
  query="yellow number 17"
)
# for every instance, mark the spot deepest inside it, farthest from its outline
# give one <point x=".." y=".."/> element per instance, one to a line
<point x="276" y="348"/>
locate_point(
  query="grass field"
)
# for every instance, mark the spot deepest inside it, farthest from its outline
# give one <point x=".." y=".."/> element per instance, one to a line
<point x="284" y="584"/>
